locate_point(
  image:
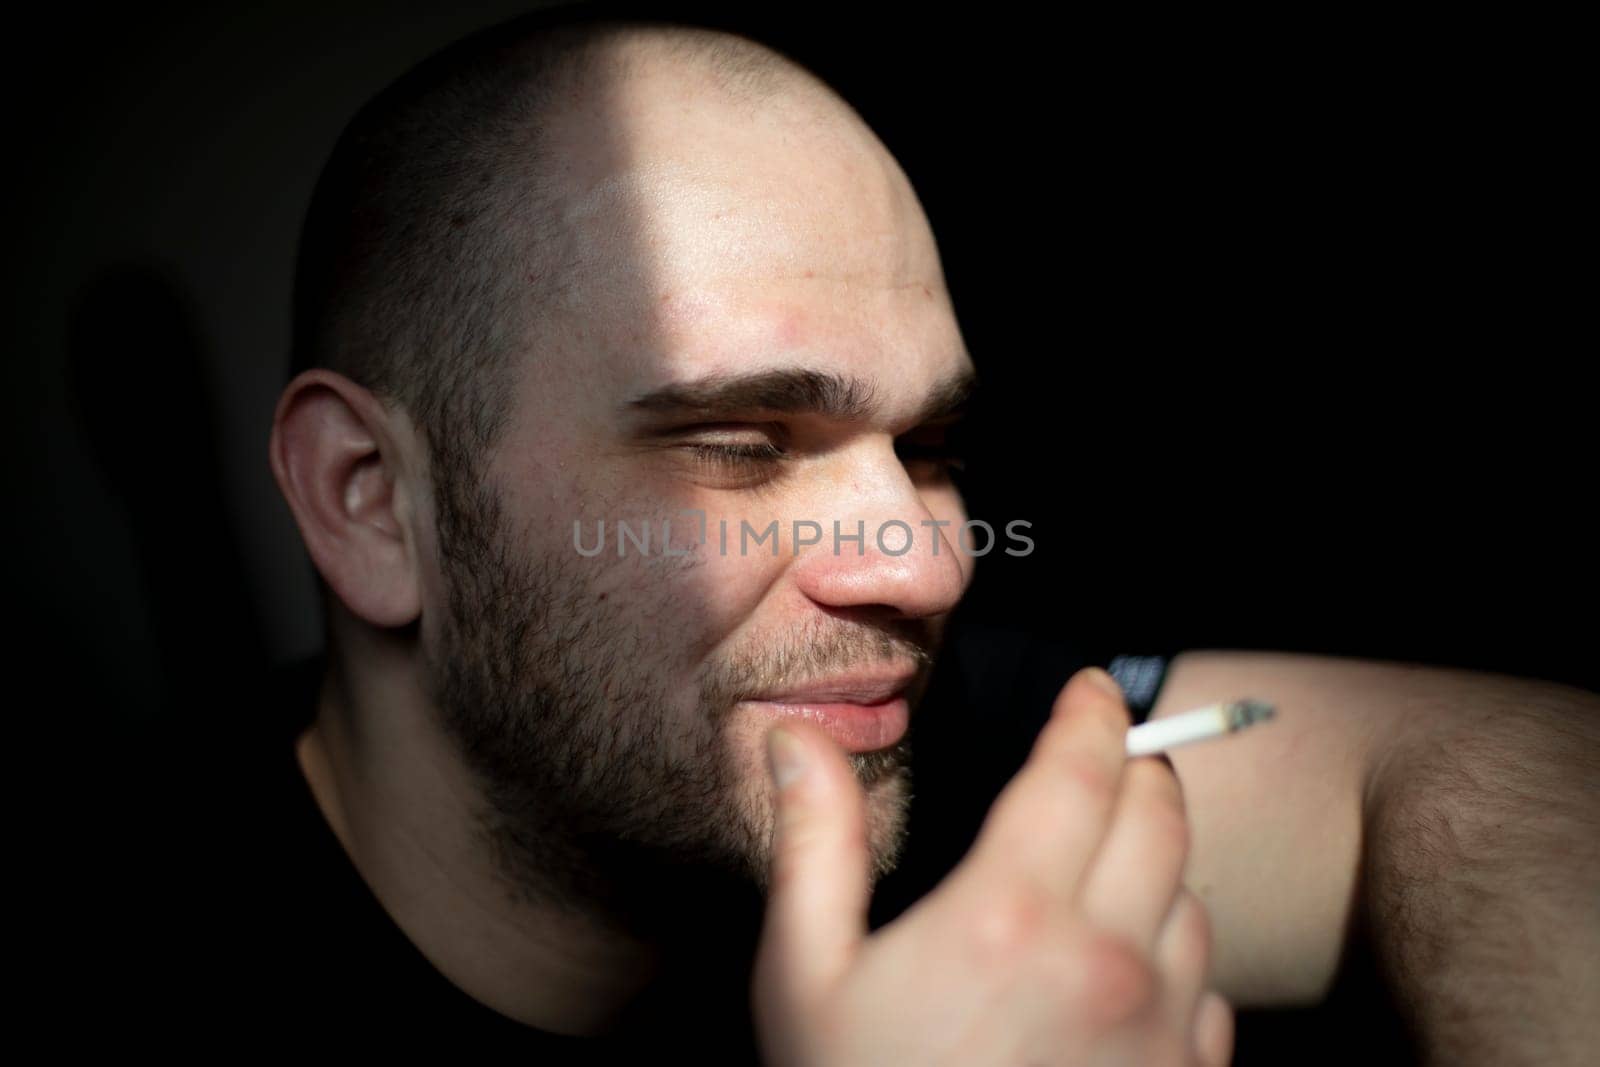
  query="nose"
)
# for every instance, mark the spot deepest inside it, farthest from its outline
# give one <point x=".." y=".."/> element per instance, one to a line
<point x="891" y="554"/>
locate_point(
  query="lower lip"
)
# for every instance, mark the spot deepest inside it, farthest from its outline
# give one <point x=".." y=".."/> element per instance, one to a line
<point x="856" y="727"/>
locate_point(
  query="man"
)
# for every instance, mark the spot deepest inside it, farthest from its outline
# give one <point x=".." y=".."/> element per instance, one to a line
<point x="568" y="277"/>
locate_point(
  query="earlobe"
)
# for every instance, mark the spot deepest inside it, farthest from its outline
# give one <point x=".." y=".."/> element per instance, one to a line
<point x="336" y="459"/>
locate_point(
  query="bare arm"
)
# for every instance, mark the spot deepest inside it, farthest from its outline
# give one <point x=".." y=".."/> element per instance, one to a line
<point x="1458" y="808"/>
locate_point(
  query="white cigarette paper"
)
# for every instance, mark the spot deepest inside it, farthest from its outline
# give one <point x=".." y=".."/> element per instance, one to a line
<point x="1201" y="724"/>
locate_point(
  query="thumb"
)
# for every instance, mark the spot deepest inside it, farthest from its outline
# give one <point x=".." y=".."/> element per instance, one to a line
<point x="818" y="889"/>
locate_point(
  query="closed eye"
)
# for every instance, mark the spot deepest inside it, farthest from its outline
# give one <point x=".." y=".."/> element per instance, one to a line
<point x="727" y="453"/>
<point x="740" y="455"/>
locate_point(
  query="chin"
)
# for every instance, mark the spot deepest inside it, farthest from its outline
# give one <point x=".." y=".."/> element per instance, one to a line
<point x="884" y="776"/>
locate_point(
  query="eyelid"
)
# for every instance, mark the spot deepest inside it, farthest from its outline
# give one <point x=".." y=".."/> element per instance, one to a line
<point x="734" y="432"/>
<point x="742" y="465"/>
<point x="750" y="447"/>
<point x="740" y="452"/>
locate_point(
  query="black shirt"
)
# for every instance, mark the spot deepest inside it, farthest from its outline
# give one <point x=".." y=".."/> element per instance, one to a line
<point x="271" y="932"/>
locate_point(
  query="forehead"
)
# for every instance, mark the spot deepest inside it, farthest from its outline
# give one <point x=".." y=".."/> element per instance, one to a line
<point x="714" y="236"/>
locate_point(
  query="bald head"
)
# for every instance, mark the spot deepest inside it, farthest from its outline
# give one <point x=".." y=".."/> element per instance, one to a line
<point x="477" y="194"/>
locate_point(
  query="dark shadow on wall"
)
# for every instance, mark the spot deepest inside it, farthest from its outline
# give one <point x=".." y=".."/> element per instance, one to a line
<point x="147" y="808"/>
<point x="138" y="384"/>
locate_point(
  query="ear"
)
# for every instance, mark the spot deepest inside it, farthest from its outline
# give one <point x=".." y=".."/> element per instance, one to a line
<point x="335" y="452"/>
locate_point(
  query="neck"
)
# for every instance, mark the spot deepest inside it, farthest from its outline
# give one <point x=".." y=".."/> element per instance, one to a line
<point x="408" y="814"/>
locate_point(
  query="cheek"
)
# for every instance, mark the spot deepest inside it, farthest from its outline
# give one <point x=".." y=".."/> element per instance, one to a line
<point x="721" y="586"/>
<point x="677" y="608"/>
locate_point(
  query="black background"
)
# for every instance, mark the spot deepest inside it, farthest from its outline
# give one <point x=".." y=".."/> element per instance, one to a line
<point x="1276" y="323"/>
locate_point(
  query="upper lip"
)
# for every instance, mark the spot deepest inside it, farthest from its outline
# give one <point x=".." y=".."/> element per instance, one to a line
<point x="862" y="686"/>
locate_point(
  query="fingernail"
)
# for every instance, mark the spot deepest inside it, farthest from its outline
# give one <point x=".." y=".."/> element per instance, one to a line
<point x="1104" y="682"/>
<point x="786" y="756"/>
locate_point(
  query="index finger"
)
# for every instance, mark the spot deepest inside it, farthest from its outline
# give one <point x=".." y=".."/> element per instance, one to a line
<point x="1049" y="820"/>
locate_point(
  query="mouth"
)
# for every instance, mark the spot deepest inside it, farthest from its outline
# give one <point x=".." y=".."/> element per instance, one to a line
<point x="863" y="710"/>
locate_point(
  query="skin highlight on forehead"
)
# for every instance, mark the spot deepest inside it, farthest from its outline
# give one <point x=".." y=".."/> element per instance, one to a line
<point x="714" y="236"/>
<point x="685" y="174"/>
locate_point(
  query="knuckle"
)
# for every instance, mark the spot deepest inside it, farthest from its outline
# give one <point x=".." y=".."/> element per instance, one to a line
<point x="1119" y="983"/>
<point x="1088" y="780"/>
<point x="1011" y="924"/>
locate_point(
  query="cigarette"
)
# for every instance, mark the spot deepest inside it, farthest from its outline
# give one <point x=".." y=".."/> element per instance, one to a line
<point x="1201" y="724"/>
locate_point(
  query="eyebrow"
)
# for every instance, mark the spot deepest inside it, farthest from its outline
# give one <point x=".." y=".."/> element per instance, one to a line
<point x="794" y="391"/>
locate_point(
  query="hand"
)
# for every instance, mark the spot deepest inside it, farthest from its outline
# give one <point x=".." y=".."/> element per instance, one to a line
<point x="1064" y="936"/>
